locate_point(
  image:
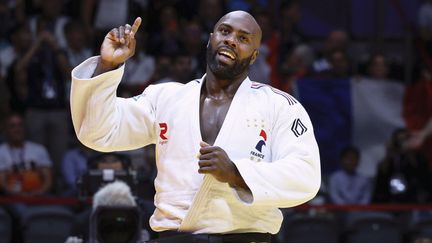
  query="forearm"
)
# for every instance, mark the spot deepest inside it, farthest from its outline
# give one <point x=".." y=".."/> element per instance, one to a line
<point x="23" y="63"/>
<point x="63" y="63"/>
<point x="283" y="183"/>
<point x="239" y="183"/>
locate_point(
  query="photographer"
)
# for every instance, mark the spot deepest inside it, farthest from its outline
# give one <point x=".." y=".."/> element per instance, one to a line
<point x="403" y="175"/>
<point x="114" y="216"/>
<point x="114" y="193"/>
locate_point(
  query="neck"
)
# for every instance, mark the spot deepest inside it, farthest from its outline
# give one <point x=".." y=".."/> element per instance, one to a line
<point x="222" y="88"/>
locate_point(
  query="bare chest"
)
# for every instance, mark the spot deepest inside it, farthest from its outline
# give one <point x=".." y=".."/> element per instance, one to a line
<point x="212" y="116"/>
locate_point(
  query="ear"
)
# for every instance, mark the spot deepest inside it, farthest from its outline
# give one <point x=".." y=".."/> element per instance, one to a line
<point x="208" y="42"/>
<point x="254" y="57"/>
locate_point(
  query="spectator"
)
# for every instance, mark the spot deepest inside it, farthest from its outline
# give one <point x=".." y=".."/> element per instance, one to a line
<point x="112" y="202"/>
<point x="50" y="20"/>
<point x="163" y="67"/>
<point x="209" y="12"/>
<point x="403" y="175"/>
<point x="167" y="39"/>
<point x="336" y="40"/>
<point x="74" y="165"/>
<point x="340" y="66"/>
<point x="181" y="70"/>
<point x="101" y="15"/>
<point x="295" y="65"/>
<point x="77" y="47"/>
<point x="290" y="34"/>
<point x="9" y="57"/>
<point x="378" y="67"/>
<point x="11" y="14"/>
<point x="193" y="41"/>
<point x="42" y="93"/>
<point x="25" y="167"/>
<point x="418" y="113"/>
<point x="265" y="68"/>
<point x="109" y="161"/>
<point x="346" y="185"/>
<point x="21" y="41"/>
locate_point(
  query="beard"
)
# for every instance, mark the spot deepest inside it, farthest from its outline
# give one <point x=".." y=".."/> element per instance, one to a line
<point x="224" y="71"/>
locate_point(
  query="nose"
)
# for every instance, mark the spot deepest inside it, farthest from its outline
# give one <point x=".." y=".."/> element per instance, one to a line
<point x="229" y="41"/>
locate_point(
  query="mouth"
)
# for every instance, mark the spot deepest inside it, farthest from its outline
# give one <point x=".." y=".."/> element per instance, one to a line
<point x="227" y="53"/>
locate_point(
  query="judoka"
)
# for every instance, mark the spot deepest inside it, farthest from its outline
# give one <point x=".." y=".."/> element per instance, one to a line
<point x="229" y="151"/>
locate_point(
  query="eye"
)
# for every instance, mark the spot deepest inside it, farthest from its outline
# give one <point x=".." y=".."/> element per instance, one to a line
<point x="244" y="39"/>
<point x="224" y="31"/>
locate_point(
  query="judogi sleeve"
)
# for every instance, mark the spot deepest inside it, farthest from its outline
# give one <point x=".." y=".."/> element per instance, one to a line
<point x="103" y="121"/>
<point x="294" y="174"/>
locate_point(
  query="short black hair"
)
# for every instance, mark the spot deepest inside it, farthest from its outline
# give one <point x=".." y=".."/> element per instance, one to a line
<point x="96" y="159"/>
<point x="350" y="149"/>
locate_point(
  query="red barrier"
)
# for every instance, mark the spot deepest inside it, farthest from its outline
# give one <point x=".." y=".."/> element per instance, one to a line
<point x="43" y="200"/>
<point x="371" y="207"/>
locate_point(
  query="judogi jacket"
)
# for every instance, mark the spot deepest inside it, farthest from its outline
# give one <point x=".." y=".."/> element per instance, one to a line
<point x="266" y="133"/>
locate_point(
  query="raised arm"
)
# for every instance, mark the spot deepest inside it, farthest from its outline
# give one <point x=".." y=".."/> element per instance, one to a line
<point x="103" y="121"/>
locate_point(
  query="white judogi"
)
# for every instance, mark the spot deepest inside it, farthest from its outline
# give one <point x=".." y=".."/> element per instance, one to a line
<point x="266" y="133"/>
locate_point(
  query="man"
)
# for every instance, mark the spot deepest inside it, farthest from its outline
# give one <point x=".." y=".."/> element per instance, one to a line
<point x="346" y="185"/>
<point x="25" y="167"/>
<point x="230" y="151"/>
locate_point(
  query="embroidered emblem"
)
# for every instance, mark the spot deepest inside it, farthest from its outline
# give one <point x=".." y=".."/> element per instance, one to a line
<point x="163" y="131"/>
<point x="262" y="142"/>
<point x="259" y="146"/>
<point x="298" y="128"/>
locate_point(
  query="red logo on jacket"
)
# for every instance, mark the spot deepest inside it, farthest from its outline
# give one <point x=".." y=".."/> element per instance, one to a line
<point x="163" y="131"/>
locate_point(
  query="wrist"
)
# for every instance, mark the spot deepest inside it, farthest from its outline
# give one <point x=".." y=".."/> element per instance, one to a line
<point x="104" y="66"/>
<point x="107" y="65"/>
<point x="237" y="181"/>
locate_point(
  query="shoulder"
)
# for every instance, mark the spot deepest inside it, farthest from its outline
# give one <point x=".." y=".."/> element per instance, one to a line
<point x="337" y="175"/>
<point x="163" y="91"/>
<point x="272" y="94"/>
<point x="362" y="178"/>
<point x="71" y="153"/>
<point x="35" y="146"/>
<point x="3" y="148"/>
<point x="171" y="86"/>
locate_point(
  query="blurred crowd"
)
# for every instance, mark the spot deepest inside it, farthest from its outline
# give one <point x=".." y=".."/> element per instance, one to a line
<point x="41" y="41"/>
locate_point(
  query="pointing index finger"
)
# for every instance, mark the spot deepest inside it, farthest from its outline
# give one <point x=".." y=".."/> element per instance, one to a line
<point x="135" y="26"/>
